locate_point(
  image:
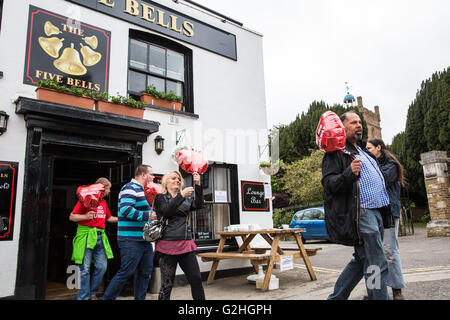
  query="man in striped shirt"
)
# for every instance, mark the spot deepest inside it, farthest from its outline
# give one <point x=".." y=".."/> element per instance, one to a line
<point x="136" y="254"/>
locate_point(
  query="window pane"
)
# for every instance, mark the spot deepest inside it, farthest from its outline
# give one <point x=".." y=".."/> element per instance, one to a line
<point x="157" y="82"/>
<point x="175" y="65"/>
<point x="307" y="215"/>
<point x="157" y="60"/>
<point x="136" y="81"/>
<point x="176" y="87"/>
<point x="202" y="222"/>
<point x="138" y="54"/>
<point x="221" y="217"/>
<point x="221" y="180"/>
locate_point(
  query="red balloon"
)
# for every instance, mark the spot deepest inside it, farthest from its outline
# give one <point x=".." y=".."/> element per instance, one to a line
<point x="330" y="133"/>
<point x="151" y="189"/>
<point x="191" y="161"/>
<point x="91" y="195"/>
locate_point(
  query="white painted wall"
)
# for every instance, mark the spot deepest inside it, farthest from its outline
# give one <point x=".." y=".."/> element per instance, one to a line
<point x="229" y="97"/>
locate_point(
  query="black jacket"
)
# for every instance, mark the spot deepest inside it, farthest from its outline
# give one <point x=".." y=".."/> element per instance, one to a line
<point x="175" y="213"/>
<point x="341" y="197"/>
<point x="389" y="168"/>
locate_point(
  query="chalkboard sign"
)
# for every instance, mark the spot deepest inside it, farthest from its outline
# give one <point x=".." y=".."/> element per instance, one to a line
<point x="8" y="186"/>
<point x="253" y="196"/>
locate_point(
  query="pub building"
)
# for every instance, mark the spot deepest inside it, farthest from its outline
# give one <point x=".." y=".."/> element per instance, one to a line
<point x="50" y="147"/>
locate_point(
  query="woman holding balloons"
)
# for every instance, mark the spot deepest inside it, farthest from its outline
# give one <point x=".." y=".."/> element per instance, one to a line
<point x="176" y="246"/>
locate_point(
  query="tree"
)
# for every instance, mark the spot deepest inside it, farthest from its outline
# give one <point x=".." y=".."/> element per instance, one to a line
<point x="302" y="179"/>
<point x="427" y="129"/>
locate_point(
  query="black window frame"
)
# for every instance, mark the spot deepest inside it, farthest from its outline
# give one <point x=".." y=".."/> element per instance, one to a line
<point x="233" y="203"/>
<point x="152" y="39"/>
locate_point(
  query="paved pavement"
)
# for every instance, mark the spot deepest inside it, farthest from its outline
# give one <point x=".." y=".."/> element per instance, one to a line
<point x="426" y="268"/>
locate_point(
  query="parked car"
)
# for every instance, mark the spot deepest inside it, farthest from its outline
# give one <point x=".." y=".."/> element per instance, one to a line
<point x="313" y="220"/>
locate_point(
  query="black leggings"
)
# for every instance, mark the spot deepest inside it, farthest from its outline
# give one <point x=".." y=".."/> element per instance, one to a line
<point x="189" y="265"/>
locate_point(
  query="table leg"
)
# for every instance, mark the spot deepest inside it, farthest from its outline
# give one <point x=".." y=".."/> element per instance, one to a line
<point x="246" y="243"/>
<point x="270" y="241"/>
<point x="273" y="253"/>
<point x="215" y="264"/>
<point x="305" y="257"/>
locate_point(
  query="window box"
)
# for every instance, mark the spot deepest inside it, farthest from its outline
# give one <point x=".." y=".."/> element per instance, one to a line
<point x="65" y="98"/>
<point x="159" y="102"/>
<point x="120" y="109"/>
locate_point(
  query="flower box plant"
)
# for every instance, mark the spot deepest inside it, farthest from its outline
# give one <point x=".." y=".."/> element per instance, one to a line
<point x="161" y="99"/>
<point x="270" y="168"/>
<point x="52" y="91"/>
<point x="122" y="106"/>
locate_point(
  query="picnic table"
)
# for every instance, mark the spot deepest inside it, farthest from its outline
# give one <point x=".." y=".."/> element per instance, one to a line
<point x="259" y="255"/>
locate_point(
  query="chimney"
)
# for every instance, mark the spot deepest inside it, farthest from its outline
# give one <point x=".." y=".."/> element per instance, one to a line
<point x="359" y="99"/>
<point x="377" y="111"/>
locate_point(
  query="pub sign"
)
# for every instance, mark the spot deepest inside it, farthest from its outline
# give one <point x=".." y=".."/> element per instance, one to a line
<point x="253" y="198"/>
<point x="8" y="187"/>
<point x="154" y="16"/>
<point x="71" y="52"/>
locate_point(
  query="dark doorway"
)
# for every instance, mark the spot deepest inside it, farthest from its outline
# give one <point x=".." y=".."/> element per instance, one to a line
<point x="67" y="147"/>
<point x="68" y="174"/>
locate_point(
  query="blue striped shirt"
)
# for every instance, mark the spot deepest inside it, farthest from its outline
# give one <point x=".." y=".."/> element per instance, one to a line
<point x="373" y="192"/>
<point x="133" y="212"/>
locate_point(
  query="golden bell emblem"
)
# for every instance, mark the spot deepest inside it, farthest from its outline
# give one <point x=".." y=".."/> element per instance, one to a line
<point x="70" y="62"/>
<point x="51" y="29"/>
<point x="51" y="45"/>
<point x="90" y="57"/>
<point x="92" y="41"/>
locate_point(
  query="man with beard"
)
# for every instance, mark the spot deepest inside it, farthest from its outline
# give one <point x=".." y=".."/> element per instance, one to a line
<point x="136" y="254"/>
<point x="355" y="200"/>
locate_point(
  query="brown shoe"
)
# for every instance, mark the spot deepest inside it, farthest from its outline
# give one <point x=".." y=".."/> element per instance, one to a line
<point x="397" y="294"/>
<point x="93" y="298"/>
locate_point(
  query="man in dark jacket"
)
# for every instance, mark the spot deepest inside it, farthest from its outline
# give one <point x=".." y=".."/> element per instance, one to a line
<point x="355" y="200"/>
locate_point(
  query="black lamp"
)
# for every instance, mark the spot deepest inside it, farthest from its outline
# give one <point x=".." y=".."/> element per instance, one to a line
<point x="159" y="144"/>
<point x="3" y="122"/>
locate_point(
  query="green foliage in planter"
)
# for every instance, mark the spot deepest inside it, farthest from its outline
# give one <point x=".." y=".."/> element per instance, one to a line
<point x="151" y="89"/>
<point x="265" y="164"/>
<point x="171" y="96"/>
<point x="97" y="95"/>
<point x="128" y="101"/>
<point x="53" y="85"/>
<point x="80" y="92"/>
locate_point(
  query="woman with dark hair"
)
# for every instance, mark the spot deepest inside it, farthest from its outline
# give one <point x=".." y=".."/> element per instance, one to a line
<point x="393" y="176"/>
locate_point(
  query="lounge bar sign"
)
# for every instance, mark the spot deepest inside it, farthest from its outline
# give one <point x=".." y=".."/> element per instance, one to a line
<point x="8" y="187"/>
<point x="253" y="196"/>
<point x="68" y="51"/>
<point x="156" y="17"/>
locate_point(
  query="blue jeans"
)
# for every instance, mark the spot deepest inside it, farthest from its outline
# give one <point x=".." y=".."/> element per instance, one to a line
<point x="135" y="256"/>
<point x="369" y="261"/>
<point x="395" y="275"/>
<point x="89" y="285"/>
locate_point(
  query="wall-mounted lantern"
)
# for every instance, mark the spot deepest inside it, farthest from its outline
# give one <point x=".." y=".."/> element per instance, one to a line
<point x="159" y="144"/>
<point x="3" y="122"/>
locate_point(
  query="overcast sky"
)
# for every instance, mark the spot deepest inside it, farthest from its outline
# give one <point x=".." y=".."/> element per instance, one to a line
<point x="383" y="49"/>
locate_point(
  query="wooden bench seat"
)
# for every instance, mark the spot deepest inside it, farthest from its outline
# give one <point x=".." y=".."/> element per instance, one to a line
<point x="210" y="256"/>
<point x="309" y="252"/>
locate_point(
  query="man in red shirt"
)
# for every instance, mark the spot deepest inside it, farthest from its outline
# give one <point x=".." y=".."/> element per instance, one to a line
<point x="91" y="242"/>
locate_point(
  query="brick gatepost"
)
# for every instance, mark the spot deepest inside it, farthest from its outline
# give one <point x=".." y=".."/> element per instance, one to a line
<point x="435" y="169"/>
